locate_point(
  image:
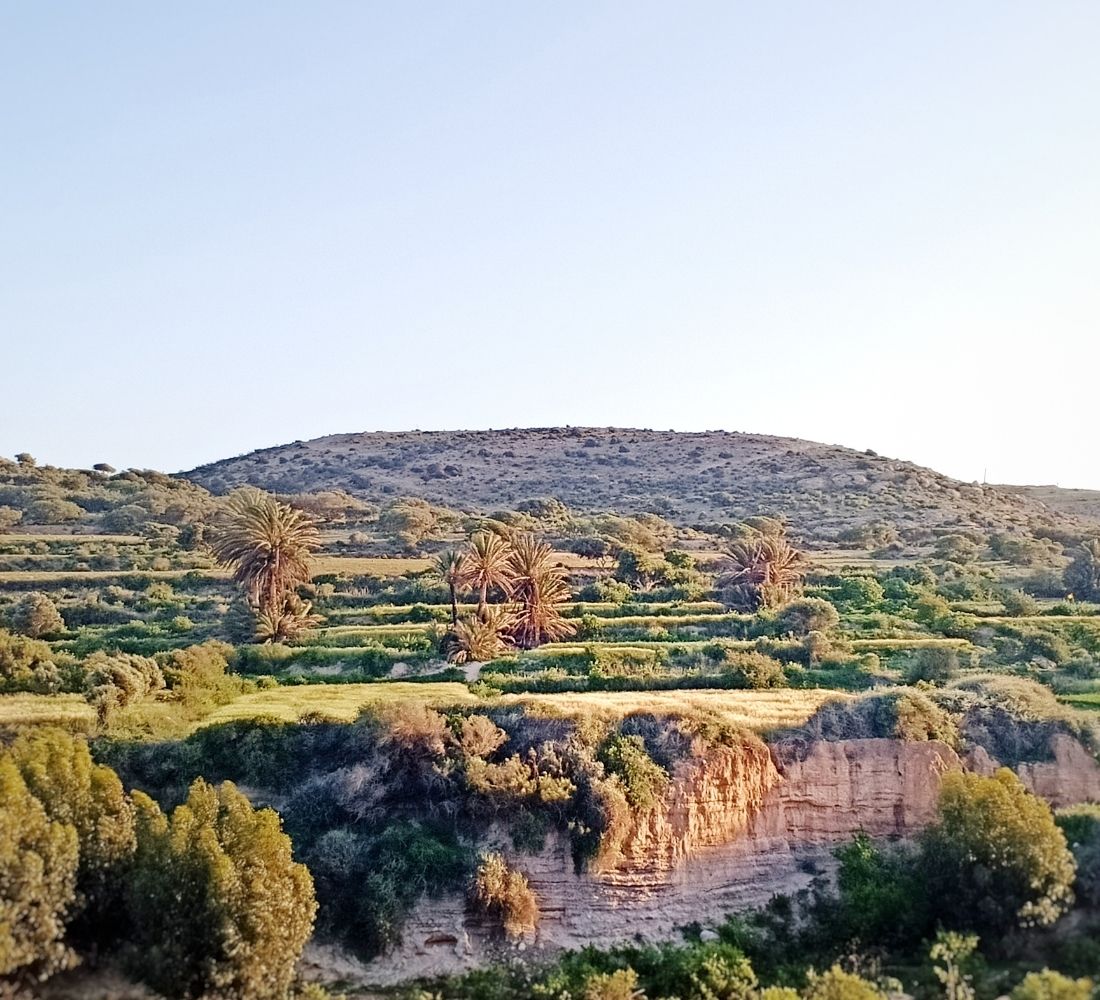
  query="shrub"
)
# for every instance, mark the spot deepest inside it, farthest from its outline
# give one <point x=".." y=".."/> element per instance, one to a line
<point x="88" y="798"/>
<point x="644" y="780"/>
<point x="27" y="665"/>
<point x="1082" y="575"/>
<point x="857" y="593"/>
<point x="836" y="984"/>
<point x="1048" y="985"/>
<point x="754" y="670"/>
<point x="504" y="895"/>
<point x="810" y="614"/>
<point x="995" y="858"/>
<point x="36" y="615"/>
<point x="38" y="862"/>
<point x="218" y="904"/>
<point x="935" y="665"/>
<point x="116" y="680"/>
<point x="1019" y="604"/>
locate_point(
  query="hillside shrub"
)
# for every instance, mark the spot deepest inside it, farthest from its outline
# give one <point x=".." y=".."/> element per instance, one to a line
<point x="38" y="866"/>
<point x="806" y="615"/>
<point x="502" y="894"/>
<point x="35" y="615"/>
<point x="995" y="859"/>
<point x="218" y="905"/>
<point x="1048" y="985"/>
<point x="644" y="781"/>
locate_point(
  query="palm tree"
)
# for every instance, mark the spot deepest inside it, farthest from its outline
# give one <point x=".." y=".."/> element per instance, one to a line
<point x="285" y="620"/>
<point x="475" y="641"/>
<point x="761" y="572"/>
<point x="450" y="567"/>
<point x="267" y="544"/>
<point x="539" y="588"/>
<point x="487" y="565"/>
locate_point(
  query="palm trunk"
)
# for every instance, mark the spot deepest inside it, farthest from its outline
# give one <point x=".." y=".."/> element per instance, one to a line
<point x="483" y="602"/>
<point x="454" y="606"/>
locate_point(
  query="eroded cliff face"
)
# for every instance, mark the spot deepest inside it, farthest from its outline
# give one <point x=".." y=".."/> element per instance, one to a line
<point x="732" y="832"/>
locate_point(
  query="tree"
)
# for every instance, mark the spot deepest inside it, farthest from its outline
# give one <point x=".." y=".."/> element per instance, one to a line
<point x="1082" y="575"/>
<point x="268" y="545"/>
<point x="487" y="565"/>
<point x="472" y="640"/>
<point x="115" y="680"/>
<point x="763" y="571"/>
<point x="219" y="906"/>
<point x="38" y="863"/>
<point x="539" y="588"/>
<point x="409" y="520"/>
<point x="36" y="615"/>
<point x="995" y="858"/>
<point x="450" y="567"/>
<point x="88" y="797"/>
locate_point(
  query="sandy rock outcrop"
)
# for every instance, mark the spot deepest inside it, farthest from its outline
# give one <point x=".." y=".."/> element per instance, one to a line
<point x="737" y="826"/>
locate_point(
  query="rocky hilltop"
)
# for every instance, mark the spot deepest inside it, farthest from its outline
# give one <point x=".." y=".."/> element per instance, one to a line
<point x="690" y="478"/>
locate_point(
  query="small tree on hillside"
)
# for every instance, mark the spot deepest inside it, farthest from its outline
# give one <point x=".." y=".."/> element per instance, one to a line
<point x="220" y="907"/>
<point x="539" y="588"/>
<point x="1082" y="575"/>
<point x="36" y="615"/>
<point x="763" y="571"/>
<point x="38" y="862"/>
<point x="268" y="545"/>
<point x="995" y="859"/>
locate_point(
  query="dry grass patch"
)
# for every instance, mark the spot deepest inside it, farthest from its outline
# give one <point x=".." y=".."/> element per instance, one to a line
<point x="341" y="702"/>
<point x="369" y="565"/>
<point x="760" y="711"/>
<point x="44" y="709"/>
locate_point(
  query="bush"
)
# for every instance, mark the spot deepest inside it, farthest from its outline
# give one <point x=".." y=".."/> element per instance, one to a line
<point x="36" y="616"/>
<point x="218" y="904"/>
<point x="995" y="858"/>
<point x="503" y="895"/>
<point x="810" y="614"/>
<point x="935" y="665"/>
<point x="38" y="863"/>
<point x="836" y="984"/>
<point x="27" y="665"/>
<point x="1019" y="604"/>
<point x="1047" y="985"/>
<point x="644" y="780"/>
<point x="89" y="799"/>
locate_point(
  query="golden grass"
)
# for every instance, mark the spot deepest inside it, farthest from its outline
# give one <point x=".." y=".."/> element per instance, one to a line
<point x="342" y="702"/>
<point x="42" y="709"/>
<point x="757" y="710"/>
<point x="81" y="577"/>
<point x="75" y="539"/>
<point x="369" y="565"/>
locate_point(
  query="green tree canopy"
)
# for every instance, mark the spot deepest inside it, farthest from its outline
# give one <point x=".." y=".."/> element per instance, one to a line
<point x="218" y="904"/>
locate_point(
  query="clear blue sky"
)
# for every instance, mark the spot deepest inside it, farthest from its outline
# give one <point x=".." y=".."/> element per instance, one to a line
<point x="227" y="226"/>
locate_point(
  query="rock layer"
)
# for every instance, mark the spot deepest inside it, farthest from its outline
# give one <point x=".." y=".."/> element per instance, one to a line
<point x="732" y="832"/>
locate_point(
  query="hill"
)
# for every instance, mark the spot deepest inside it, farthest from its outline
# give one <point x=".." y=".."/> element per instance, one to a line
<point x="689" y="478"/>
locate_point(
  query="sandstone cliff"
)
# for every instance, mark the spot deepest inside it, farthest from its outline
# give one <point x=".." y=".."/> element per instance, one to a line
<point x="732" y="832"/>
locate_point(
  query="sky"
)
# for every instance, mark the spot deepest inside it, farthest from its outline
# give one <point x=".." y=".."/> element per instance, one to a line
<point x="230" y="226"/>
